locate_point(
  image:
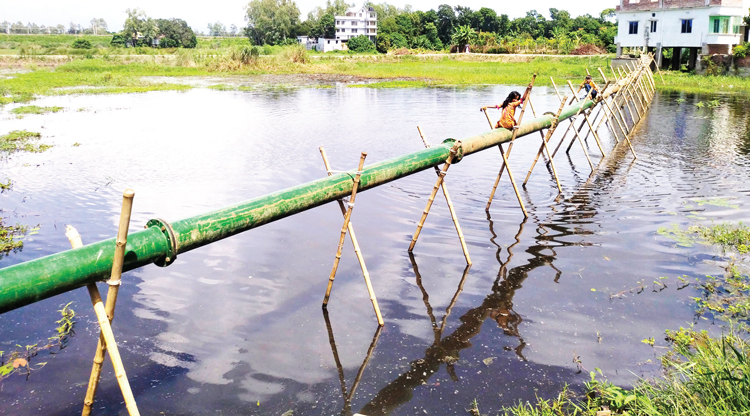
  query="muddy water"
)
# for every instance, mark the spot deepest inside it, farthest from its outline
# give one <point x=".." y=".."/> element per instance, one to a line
<point x="237" y="328"/>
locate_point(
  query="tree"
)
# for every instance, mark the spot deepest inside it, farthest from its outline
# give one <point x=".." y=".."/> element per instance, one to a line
<point x="270" y="21"/>
<point x="463" y="35"/>
<point x="446" y="20"/>
<point x="488" y="21"/>
<point x="138" y="24"/>
<point x="233" y="29"/>
<point x="560" y="20"/>
<point x="361" y="43"/>
<point x="98" y="26"/>
<point x="608" y="15"/>
<point x="503" y="25"/>
<point x="175" y="33"/>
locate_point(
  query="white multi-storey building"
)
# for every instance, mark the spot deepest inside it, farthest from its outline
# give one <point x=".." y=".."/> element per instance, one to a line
<point x="705" y="26"/>
<point x="362" y="21"/>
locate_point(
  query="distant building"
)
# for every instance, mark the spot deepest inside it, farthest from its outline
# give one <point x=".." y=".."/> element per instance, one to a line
<point x="327" y="45"/>
<point x="320" y="44"/>
<point x="362" y="21"/>
<point x="705" y="26"/>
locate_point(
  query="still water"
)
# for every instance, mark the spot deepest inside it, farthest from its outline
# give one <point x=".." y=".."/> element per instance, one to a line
<point x="236" y="327"/>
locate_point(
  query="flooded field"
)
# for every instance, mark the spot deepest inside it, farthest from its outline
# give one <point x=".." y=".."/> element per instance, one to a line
<point x="236" y="327"/>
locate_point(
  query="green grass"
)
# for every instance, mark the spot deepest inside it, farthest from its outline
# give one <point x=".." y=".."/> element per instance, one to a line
<point x="21" y="141"/>
<point x="34" y="109"/>
<point x="680" y="81"/>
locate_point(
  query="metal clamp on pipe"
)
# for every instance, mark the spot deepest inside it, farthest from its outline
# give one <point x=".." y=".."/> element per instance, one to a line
<point x="169" y="234"/>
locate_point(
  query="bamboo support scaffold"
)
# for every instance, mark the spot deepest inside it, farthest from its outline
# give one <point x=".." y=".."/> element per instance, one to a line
<point x="357" y="250"/>
<point x="452" y="210"/>
<point x="624" y="101"/>
<point x="105" y="314"/>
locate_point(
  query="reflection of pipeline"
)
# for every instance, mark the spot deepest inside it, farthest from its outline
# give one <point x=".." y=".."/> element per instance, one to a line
<point x="499" y="304"/>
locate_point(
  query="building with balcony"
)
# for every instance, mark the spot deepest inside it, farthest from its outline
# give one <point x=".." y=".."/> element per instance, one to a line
<point x="702" y="26"/>
<point x="357" y="21"/>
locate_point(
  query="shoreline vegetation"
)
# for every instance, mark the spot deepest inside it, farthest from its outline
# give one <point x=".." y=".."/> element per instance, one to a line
<point x="701" y="374"/>
<point x="22" y="78"/>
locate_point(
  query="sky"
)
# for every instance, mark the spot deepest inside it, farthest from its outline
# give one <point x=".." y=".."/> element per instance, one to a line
<point x="198" y="15"/>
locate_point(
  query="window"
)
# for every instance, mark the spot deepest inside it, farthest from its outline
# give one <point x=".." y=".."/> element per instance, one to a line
<point x="653" y="26"/>
<point x="354" y="30"/>
<point x="724" y="25"/>
<point x="687" y="26"/>
<point x="354" y="23"/>
<point x="633" y="29"/>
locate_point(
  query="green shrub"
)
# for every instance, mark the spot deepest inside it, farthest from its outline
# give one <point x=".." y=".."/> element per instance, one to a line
<point x="361" y="43"/>
<point x="740" y="51"/>
<point x="81" y="44"/>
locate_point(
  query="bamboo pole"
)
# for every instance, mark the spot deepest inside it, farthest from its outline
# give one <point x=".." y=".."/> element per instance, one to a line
<point x="550" y="132"/>
<point x="454" y="217"/>
<point x="627" y="101"/>
<point x="499" y="175"/>
<point x="634" y="86"/>
<point x="571" y="125"/>
<point x="347" y="217"/>
<point x="601" y="108"/>
<point x="575" y="131"/>
<point x="357" y="251"/>
<point x="112" y="292"/>
<point x="106" y="333"/>
<point x="591" y="127"/>
<point x="606" y="104"/>
<point x="435" y="188"/>
<point x="525" y="99"/>
<point x="361" y="371"/>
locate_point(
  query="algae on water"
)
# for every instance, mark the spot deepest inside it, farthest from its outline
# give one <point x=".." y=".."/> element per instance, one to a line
<point x="22" y="141"/>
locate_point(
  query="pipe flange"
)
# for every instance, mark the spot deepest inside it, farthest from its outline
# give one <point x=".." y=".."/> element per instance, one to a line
<point x="449" y="143"/>
<point x="168" y="232"/>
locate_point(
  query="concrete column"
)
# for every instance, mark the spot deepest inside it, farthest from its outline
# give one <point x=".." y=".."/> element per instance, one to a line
<point x="619" y="50"/>
<point x="658" y="55"/>
<point x="693" y="59"/>
<point x="676" y="52"/>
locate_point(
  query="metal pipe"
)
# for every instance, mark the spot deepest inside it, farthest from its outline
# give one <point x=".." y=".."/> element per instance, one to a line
<point x="32" y="281"/>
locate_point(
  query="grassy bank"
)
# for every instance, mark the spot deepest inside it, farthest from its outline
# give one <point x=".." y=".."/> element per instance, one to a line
<point x="123" y="74"/>
<point x="702" y="375"/>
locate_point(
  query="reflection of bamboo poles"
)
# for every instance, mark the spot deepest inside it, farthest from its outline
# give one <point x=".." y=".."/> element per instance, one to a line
<point x="357" y="250"/>
<point x="106" y="338"/>
<point x="450" y="205"/>
<point x="544" y="147"/>
<point x="347" y="216"/>
<point x="114" y="287"/>
<point x="435" y="188"/>
<point x="350" y="395"/>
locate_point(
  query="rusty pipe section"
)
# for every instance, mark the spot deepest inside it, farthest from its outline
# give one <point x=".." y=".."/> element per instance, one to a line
<point x="161" y="241"/>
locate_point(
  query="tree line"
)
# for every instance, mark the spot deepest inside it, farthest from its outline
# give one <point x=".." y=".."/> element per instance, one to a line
<point x="277" y="21"/>
<point x="98" y="27"/>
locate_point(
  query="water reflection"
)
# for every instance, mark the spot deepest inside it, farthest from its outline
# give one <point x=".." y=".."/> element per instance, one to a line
<point x="348" y="396"/>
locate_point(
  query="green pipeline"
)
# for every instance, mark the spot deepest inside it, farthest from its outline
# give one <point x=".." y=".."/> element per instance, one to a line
<point x="32" y="281"/>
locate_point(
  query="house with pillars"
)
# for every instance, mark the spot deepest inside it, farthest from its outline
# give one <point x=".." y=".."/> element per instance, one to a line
<point x="702" y="26"/>
<point x="356" y="22"/>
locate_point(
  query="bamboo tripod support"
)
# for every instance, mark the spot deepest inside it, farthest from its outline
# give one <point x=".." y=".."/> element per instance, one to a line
<point x="571" y="125"/>
<point x="577" y="131"/>
<point x="500" y="174"/>
<point x="441" y="176"/>
<point x="344" y="228"/>
<point x="105" y="314"/>
<point x="357" y="251"/>
<point x="526" y="96"/>
<point x="586" y="117"/>
<point x="454" y="217"/>
<point x="544" y="147"/>
<point x="612" y="113"/>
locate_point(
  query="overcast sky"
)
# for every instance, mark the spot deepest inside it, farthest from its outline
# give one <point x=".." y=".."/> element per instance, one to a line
<point x="198" y="15"/>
